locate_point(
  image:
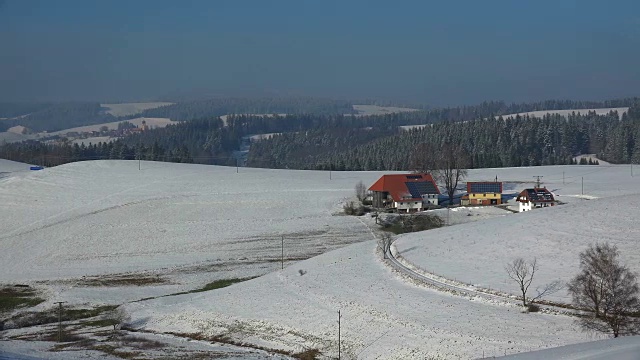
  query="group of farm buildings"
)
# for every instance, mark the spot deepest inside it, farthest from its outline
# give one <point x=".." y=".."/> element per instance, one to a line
<point x="406" y="193"/>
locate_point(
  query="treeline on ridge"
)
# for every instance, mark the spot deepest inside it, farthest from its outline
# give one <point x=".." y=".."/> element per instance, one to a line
<point x="347" y="142"/>
<point x="519" y="141"/>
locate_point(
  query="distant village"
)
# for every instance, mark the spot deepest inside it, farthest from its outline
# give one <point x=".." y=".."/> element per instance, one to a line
<point x="124" y="128"/>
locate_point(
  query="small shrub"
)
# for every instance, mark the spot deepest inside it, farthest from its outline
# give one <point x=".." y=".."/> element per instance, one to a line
<point x="411" y="223"/>
<point x="533" y="308"/>
<point x="349" y="208"/>
<point x="141" y="343"/>
<point x="311" y="354"/>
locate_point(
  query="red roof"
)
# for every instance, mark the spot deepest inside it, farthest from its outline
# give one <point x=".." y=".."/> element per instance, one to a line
<point x="535" y="195"/>
<point x="396" y="185"/>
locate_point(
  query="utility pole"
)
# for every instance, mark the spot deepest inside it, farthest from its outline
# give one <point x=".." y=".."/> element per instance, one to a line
<point x="237" y="165"/>
<point x="632" y="169"/>
<point x="538" y="180"/>
<point x="583" y="185"/>
<point x="563" y="178"/>
<point x="139" y="154"/>
<point x="60" y="319"/>
<point x="339" y="316"/>
<point x="282" y="258"/>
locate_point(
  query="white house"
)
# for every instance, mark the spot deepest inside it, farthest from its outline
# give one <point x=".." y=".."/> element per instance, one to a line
<point x="529" y="199"/>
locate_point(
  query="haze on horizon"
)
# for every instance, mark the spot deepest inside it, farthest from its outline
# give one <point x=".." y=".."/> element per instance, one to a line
<point x="414" y="51"/>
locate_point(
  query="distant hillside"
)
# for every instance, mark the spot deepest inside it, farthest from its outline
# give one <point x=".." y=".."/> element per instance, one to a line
<point x="10" y="110"/>
<point x="126" y="109"/>
<point x="53" y="117"/>
<point x="223" y="106"/>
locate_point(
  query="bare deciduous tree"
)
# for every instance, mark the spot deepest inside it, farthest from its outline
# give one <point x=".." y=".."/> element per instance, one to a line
<point x="117" y="317"/>
<point x="361" y="191"/>
<point x="452" y="169"/>
<point x="447" y="164"/>
<point x="385" y="244"/>
<point x="522" y="272"/>
<point x="608" y="290"/>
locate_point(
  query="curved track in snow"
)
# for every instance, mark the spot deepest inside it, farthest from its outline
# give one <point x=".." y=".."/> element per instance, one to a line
<point x="467" y="291"/>
<point x="442" y="285"/>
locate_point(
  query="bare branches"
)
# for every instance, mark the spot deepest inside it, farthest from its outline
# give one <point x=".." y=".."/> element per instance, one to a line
<point x="385" y="244"/>
<point x="447" y="164"/>
<point x="361" y="191"/>
<point x="608" y="290"/>
<point x="546" y="290"/>
<point x="522" y="273"/>
<point x="117" y="317"/>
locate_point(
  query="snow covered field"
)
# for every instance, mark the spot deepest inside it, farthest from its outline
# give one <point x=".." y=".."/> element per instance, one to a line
<point x="73" y="228"/>
<point x="108" y="217"/>
<point x="476" y="253"/>
<point x="626" y="348"/>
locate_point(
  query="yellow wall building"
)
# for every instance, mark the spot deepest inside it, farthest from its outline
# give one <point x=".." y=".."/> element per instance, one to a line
<point x="483" y="193"/>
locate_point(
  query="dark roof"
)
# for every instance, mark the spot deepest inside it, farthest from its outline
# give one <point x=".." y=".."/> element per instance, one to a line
<point x="484" y="187"/>
<point x="406" y="186"/>
<point x="535" y="195"/>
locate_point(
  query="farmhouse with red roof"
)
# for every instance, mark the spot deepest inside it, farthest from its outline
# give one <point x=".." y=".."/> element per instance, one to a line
<point x="405" y="192"/>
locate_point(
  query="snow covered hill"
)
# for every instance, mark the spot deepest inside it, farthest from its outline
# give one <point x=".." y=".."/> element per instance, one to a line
<point x="190" y="224"/>
<point x="99" y="217"/>
<point x="477" y="253"/>
<point x="626" y="348"/>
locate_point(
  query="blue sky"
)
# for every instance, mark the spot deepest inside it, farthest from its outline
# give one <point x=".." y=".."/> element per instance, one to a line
<point x="439" y="53"/>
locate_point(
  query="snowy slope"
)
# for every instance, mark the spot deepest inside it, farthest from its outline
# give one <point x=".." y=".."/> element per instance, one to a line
<point x="625" y="348"/>
<point x="7" y="167"/>
<point x="475" y="253"/>
<point x="100" y="217"/>
<point x="106" y="217"/>
<point x="384" y="316"/>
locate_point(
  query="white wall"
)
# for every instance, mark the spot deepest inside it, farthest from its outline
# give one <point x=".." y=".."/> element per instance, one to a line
<point x="524" y="206"/>
<point x="430" y="199"/>
<point x="408" y="205"/>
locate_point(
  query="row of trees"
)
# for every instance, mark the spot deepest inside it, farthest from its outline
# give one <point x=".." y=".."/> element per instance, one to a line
<point x="34" y="152"/>
<point x="605" y="290"/>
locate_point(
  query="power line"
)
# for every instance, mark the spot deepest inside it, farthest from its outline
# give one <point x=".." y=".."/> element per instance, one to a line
<point x="538" y="180"/>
